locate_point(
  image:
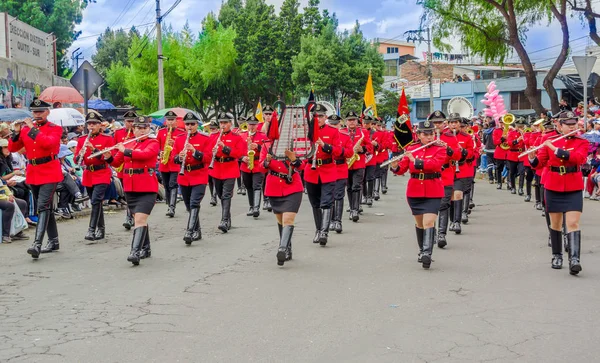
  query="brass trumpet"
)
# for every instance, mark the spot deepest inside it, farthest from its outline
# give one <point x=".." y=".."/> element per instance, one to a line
<point x="507" y="120"/>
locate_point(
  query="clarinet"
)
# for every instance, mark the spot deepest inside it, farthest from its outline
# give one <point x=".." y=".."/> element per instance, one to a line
<point x="83" y="150"/>
<point x="187" y="140"/>
<point x="214" y="155"/>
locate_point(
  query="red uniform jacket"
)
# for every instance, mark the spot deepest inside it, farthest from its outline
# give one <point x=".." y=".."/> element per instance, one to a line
<point x="355" y="135"/>
<point x="453" y="154"/>
<point x="545" y="136"/>
<point x="517" y="145"/>
<point x="384" y="146"/>
<point x="499" y="153"/>
<point x="465" y="165"/>
<point x="326" y="170"/>
<point x="139" y="166"/>
<point x="346" y="153"/>
<point x="427" y="161"/>
<point x="563" y="166"/>
<point x="258" y="138"/>
<point x="226" y="162"/>
<point x="41" y="142"/>
<point x="170" y="166"/>
<point x="97" y="170"/>
<point x="528" y="138"/>
<point x="276" y="183"/>
<point x="373" y="135"/>
<point x="195" y="171"/>
<point x="122" y="135"/>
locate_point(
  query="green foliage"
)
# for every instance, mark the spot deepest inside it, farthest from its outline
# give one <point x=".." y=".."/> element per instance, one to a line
<point x="387" y="105"/>
<point x="51" y="16"/>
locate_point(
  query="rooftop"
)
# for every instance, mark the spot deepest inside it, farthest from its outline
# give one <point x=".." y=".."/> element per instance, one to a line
<point x="393" y="41"/>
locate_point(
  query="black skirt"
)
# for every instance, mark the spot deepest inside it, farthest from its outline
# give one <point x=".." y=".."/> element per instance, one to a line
<point x="288" y="204"/>
<point x="140" y="202"/>
<point x="463" y="184"/>
<point x="420" y="206"/>
<point x="562" y="202"/>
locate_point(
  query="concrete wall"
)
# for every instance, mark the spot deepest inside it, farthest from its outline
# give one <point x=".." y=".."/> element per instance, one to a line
<point x="25" y="81"/>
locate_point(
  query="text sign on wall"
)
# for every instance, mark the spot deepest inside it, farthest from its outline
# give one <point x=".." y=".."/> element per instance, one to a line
<point x="29" y="45"/>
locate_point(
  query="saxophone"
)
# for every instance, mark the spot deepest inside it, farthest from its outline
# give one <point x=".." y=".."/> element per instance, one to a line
<point x="355" y="157"/>
<point x="251" y="153"/>
<point x="166" y="153"/>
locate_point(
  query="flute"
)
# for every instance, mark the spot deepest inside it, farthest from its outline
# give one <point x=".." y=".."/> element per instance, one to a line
<point x="397" y="158"/>
<point x="115" y="146"/>
<point x="552" y="141"/>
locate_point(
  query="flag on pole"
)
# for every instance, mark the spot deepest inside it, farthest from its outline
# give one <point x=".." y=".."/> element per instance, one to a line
<point x="259" y="112"/>
<point x="273" y="131"/>
<point x="403" y="132"/>
<point x="370" y="108"/>
<point x="311" y="95"/>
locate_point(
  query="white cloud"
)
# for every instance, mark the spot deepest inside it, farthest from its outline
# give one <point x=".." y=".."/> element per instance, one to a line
<point x="350" y="25"/>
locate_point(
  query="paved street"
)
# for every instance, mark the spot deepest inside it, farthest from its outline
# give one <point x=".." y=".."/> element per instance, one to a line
<point x="490" y="296"/>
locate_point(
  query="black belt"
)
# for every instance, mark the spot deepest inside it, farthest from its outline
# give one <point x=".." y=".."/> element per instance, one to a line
<point x="470" y="160"/>
<point x="44" y="160"/>
<point x="95" y="167"/>
<point x="425" y="176"/>
<point x="288" y="178"/>
<point x="132" y="171"/>
<point x="225" y="159"/>
<point x="194" y="167"/>
<point x="564" y="169"/>
<point x="516" y="150"/>
<point x="322" y="161"/>
<point x="445" y="166"/>
<point x="340" y="161"/>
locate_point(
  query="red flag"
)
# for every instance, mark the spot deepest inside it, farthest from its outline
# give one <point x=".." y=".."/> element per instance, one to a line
<point x="403" y="132"/>
<point x="273" y="132"/>
<point x="315" y="129"/>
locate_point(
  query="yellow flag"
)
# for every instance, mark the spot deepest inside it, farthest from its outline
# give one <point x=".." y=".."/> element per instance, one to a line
<point x="370" y="107"/>
<point x="259" y="113"/>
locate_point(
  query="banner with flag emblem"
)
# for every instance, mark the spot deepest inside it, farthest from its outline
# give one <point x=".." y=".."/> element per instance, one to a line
<point x="259" y="112"/>
<point x="369" y="108"/>
<point x="403" y="132"/>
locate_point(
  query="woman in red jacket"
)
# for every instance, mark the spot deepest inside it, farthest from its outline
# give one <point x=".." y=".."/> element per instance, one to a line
<point x="425" y="188"/>
<point x="139" y="183"/>
<point x="563" y="186"/>
<point x="284" y="189"/>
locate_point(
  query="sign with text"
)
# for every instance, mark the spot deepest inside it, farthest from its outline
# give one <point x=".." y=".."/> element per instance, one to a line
<point x="29" y="45"/>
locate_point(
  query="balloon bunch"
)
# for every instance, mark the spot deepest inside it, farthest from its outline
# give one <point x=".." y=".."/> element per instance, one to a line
<point x="494" y="102"/>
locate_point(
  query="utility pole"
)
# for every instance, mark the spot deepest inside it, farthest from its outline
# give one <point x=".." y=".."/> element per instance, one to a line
<point x="161" y="80"/>
<point x="414" y="36"/>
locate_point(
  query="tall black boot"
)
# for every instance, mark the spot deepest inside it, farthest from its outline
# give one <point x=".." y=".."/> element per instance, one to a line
<point x="338" y="213"/>
<point x="471" y="204"/>
<point x="557" y="260"/>
<point x="100" y="228"/>
<point x="285" y="245"/>
<point x="442" y="228"/>
<point x="428" y="237"/>
<point x="324" y="233"/>
<point x="225" y="223"/>
<point x="451" y="216"/>
<point x="139" y="236"/>
<point x="251" y="204"/>
<point x="419" y="232"/>
<point x="370" y="185"/>
<point x="256" y="203"/>
<point x="527" y="190"/>
<point x="564" y="234"/>
<point x="191" y="225"/>
<point x="465" y="207"/>
<point x="333" y="221"/>
<point x="267" y="204"/>
<point x="521" y="182"/>
<point x="128" y="220"/>
<point x="538" y="197"/>
<point x="172" y="202"/>
<point x="145" y="250"/>
<point x="94" y="217"/>
<point x="197" y="235"/>
<point x="574" y="252"/>
<point x="318" y="217"/>
<point x="376" y="188"/>
<point x="167" y="199"/>
<point x="354" y="206"/>
<point x="40" y="230"/>
<point x="457" y="215"/>
<point x="384" y="176"/>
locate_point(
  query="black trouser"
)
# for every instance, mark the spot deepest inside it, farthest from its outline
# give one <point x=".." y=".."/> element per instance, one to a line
<point x="169" y="182"/>
<point x="44" y="195"/>
<point x="340" y="188"/>
<point x="253" y="181"/>
<point x="537" y="188"/>
<point x="66" y="191"/>
<point x="525" y="174"/>
<point x="193" y="195"/>
<point x="224" y="188"/>
<point x="499" y="169"/>
<point x="370" y="173"/>
<point x="211" y="185"/>
<point x="447" y="199"/>
<point x="96" y="193"/>
<point x="513" y="169"/>
<point x="355" y="179"/>
<point x="321" y="195"/>
<point x="491" y="165"/>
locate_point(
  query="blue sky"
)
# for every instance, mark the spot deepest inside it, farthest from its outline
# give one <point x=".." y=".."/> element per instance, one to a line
<point x="379" y="18"/>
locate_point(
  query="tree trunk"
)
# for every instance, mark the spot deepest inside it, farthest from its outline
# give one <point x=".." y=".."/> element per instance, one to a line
<point x="560" y="60"/>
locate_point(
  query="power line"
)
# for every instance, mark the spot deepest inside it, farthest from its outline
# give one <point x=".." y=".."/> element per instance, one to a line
<point x="138" y="12"/>
<point x="123" y="12"/>
<point x="134" y="26"/>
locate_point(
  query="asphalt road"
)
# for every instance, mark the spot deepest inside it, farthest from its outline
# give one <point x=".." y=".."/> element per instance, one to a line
<point x="489" y="296"/>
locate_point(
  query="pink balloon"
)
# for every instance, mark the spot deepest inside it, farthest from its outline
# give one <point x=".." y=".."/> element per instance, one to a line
<point x="492" y="86"/>
<point x="494" y="94"/>
<point x="486" y="102"/>
<point x="488" y="112"/>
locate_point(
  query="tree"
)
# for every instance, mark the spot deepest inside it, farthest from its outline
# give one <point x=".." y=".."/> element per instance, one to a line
<point x="499" y="28"/>
<point x="387" y="105"/>
<point x="290" y="31"/>
<point x="312" y="21"/>
<point x="585" y="8"/>
<point x="58" y="17"/>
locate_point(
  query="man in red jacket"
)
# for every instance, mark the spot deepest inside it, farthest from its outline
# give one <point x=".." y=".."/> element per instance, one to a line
<point x="356" y="170"/>
<point x="168" y="170"/>
<point x="342" y="173"/>
<point x="253" y="174"/>
<point x="122" y="135"/>
<point x="41" y="140"/>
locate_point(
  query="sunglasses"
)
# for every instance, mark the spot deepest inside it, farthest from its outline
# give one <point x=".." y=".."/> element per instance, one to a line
<point x="190" y="124"/>
<point x="142" y="127"/>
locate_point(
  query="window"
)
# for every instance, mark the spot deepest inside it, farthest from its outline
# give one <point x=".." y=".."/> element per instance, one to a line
<point x="518" y="100"/>
<point x="391" y="50"/>
<point x="391" y="68"/>
<point x="422" y="109"/>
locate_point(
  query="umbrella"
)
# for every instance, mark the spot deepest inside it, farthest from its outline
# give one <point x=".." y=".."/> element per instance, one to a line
<point x="66" y="117"/>
<point x="593" y="137"/>
<point x="100" y="105"/>
<point x="61" y="94"/>
<point x="12" y="114"/>
<point x="158" y="117"/>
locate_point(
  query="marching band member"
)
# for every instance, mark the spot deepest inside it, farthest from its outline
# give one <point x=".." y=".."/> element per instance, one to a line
<point x="525" y="171"/>
<point x="320" y="182"/>
<point x="464" y="171"/>
<point x="167" y="168"/>
<point x="373" y="137"/>
<point x="41" y="141"/>
<point x="122" y="135"/>
<point x="517" y="145"/>
<point x="356" y="171"/>
<point x="214" y="129"/>
<point x="97" y="173"/>
<point x="391" y="144"/>
<point x="193" y="153"/>
<point x="551" y="132"/>
<point x="267" y="115"/>
<point x="471" y="166"/>
<point x="236" y="130"/>
<point x="253" y="179"/>
<point x="342" y="173"/>
<point x="227" y="148"/>
<point x="284" y="188"/>
<point x="425" y="187"/>
<point x="380" y="156"/>
<point x="139" y="183"/>
<point x="500" y="154"/>
<point x="453" y="155"/>
<point x="533" y="141"/>
<point x="563" y="158"/>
